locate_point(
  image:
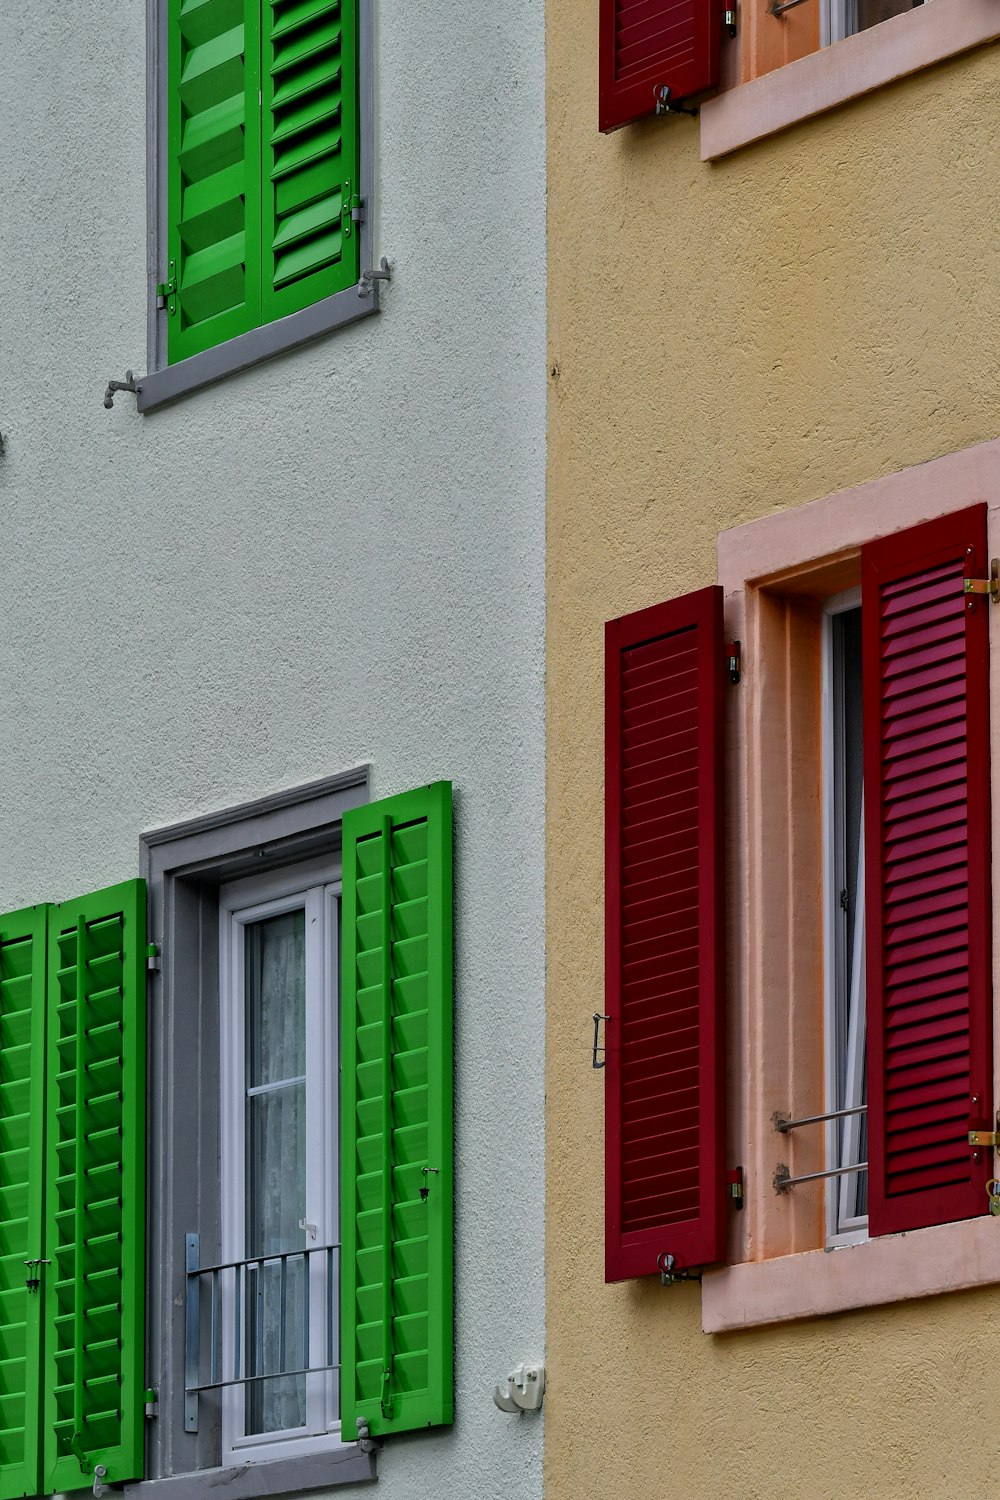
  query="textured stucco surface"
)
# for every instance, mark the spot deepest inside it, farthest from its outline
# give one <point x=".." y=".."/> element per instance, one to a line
<point x="727" y="341"/>
<point x="333" y="559"/>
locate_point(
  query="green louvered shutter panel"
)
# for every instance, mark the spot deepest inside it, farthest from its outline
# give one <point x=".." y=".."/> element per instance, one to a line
<point x="310" y="130"/>
<point x="396" y="1121"/>
<point x="22" y="1120"/>
<point x="213" y="193"/>
<point x="95" y="1184"/>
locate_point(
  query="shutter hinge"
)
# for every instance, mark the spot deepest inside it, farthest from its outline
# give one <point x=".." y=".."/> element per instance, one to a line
<point x="734" y="660"/>
<point x="734" y="1178"/>
<point x="989" y="585"/>
<point x="166" y="291"/>
<point x="990" y="1138"/>
<point x="152" y="958"/>
<point x="353" y="211"/>
<point x="150" y="1404"/>
<point x="729" y="19"/>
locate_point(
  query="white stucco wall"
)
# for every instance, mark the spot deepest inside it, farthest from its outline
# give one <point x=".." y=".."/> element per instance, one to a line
<point x="334" y="558"/>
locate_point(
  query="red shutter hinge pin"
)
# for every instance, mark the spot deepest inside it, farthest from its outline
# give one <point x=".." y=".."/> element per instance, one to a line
<point x="989" y="585"/>
<point x="734" y="660"/>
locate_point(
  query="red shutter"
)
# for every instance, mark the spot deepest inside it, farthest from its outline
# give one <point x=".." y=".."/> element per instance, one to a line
<point x="664" y="1130"/>
<point x="648" y="45"/>
<point x="927" y="854"/>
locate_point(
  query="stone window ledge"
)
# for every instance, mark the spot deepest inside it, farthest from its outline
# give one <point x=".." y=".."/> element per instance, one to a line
<point x="893" y="1268"/>
<point x="846" y="70"/>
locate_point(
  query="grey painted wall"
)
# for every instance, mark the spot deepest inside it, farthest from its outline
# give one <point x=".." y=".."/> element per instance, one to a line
<point x="334" y="558"/>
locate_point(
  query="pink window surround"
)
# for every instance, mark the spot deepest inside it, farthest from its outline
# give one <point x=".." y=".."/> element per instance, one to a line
<point x="777" y="1270"/>
<point x="844" y="71"/>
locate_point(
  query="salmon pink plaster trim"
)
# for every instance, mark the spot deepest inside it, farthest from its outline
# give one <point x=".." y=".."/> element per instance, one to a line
<point x="763" y="1283"/>
<point x="844" y="71"/>
<point x="947" y="1258"/>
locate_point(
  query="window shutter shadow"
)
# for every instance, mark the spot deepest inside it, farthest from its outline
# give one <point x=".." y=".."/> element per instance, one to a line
<point x="396" y="1114"/>
<point x="649" y="45"/>
<point x="665" y="1042"/>
<point x="22" y="1119"/>
<point x="927" y="853"/>
<point x="93" y="1287"/>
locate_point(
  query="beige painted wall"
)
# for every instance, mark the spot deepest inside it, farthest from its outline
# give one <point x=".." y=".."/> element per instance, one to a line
<point x="726" y="341"/>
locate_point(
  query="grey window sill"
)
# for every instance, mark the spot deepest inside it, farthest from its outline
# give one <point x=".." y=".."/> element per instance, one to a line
<point x="284" y="1476"/>
<point x="160" y="386"/>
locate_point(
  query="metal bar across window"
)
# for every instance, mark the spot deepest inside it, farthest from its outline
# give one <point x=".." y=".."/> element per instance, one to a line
<point x="782" y="1180"/>
<point x="784" y="1125"/>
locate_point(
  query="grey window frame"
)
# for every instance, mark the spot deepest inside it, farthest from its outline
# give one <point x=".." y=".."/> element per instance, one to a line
<point x="184" y="865"/>
<point x="164" y="382"/>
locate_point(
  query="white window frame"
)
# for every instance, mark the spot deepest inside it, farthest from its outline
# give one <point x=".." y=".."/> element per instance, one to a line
<point x="314" y="886"/>
<point x="841" y="1227"/>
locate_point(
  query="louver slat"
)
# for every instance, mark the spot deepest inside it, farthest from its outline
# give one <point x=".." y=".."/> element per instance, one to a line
<point x="22" y="1117"/>
<point x="928" y="924"/>
<point x="396" y="1125"/>
<point x="664" y="1131"/>
<point x="95" y="1209"/>
<point x="213" y="190"/>
<point x="646" y="45"/>
<point x="310" y="244"/>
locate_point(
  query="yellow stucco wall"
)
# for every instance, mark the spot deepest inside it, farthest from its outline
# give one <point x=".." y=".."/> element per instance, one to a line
<point x="725" y="341"/>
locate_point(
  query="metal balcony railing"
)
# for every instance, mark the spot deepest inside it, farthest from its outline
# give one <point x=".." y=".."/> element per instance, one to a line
<point x="236" y="1318"/>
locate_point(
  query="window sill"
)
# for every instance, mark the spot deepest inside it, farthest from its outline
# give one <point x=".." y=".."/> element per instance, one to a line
<point x="894" y="1268"/>
<point x="160" y="386"/>
<point x="844" y="71"/>
<point x="318" y="1471"/>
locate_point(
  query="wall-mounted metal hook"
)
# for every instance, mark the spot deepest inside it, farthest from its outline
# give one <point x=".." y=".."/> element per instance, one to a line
<point x="368" y="278"/>
<point x="128" y="384"/>
<point x="598" y="1018"/>
<point x="522" y="1390"/>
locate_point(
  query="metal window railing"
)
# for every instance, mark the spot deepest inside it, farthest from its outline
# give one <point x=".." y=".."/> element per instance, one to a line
<point x="233" y="1292"/>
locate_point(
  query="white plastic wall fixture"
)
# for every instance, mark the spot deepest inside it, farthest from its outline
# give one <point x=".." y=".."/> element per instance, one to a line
<point x="525" y="1388"/>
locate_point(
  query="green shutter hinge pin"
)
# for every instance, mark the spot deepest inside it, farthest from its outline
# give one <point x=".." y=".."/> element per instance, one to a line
<point x="151" y="1407"/>
<point x="152" y="957"/>
<point x="166" y="291"/>
<point x="386" y="1400"/>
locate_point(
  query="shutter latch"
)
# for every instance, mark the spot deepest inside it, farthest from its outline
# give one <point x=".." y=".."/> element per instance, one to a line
<point x="33" y="1281"/>
<point x="166" y="291"/>
<point x="989" y="585"/>
<point x="664" y="102"/>
<point x="669" y="1274"/>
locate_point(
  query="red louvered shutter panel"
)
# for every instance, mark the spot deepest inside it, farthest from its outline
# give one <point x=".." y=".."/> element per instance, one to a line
<point x="649" y="45"/>
<point x="927" y="854"/>
<point x="664" y="1129"/>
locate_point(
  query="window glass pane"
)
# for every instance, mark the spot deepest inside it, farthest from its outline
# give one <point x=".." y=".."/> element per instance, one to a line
<point x="276" y="1168"/>
<point x="276" y="998"/>
<point x="849" y="1025"/>
<point x="871" y="12"/>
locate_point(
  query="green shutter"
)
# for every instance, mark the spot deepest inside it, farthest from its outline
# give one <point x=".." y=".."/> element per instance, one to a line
<point x="396" y="1107"/>
<point x="310" y="152"/>
<point x="213" y="192"/>
<point x="95" y="1176"/>
<point x="22" y="1116"/>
